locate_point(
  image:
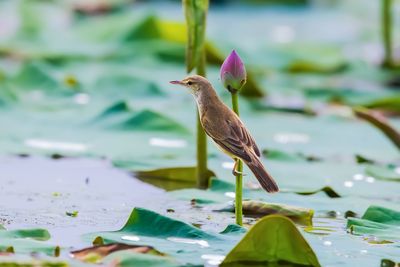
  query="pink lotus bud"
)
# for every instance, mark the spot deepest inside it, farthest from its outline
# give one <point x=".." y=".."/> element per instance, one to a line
<point x="233" y="72"/>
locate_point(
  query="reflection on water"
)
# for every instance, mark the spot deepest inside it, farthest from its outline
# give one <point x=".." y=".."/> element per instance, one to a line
<point x="230" y="194"/>
<point x="348" y="184"/>
<point x="201" y="243"/>
<point x="358" y="177"/>
<point x="375" y="240"/>
<point x="213" y="259"/>
<point x="318" y="230"/>
<point x="326" y="226"/>
<point x="130" y="238"/>
<point x="327" y="243"/>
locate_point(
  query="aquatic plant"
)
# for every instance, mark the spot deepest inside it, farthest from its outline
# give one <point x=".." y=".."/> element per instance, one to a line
<point x="196" y="17"/>
<point x="233" y="77"/>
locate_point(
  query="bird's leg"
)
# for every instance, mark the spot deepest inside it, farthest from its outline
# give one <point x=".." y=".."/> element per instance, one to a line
<point x="234" y="171"/>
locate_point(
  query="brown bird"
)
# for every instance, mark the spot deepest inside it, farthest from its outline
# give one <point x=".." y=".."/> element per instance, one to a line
<point x="227" y="130"/>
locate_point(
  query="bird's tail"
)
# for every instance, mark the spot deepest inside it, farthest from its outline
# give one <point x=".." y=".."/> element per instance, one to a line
<point x="266" y="180"/>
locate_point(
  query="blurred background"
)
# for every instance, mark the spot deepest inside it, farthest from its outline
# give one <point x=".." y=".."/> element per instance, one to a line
<point x="85" y="107"/>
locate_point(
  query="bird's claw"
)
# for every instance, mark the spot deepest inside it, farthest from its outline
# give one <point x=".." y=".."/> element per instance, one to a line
<point x="237" y="173"/>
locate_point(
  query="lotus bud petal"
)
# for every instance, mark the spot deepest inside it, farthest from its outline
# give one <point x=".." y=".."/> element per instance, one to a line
<point x="233" y="73"/>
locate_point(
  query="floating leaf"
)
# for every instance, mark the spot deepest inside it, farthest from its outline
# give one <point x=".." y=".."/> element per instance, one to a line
<point x="12" y="261"/>
<point x="389" y="263"/>
<point x="97" y="253"/>
<point x="127" y="259"/>
<point x="148" y="120"/>
<point x="171" y="178"/>
<point x="27" y="246"/>
<point x="391" y="104"/>
<point x="326" y="189"/>
<point x="259" y="209"/>
<point x="273" y="239"/>
<point x="36" y="234"/>
<point x="272" y="154"/>
<point x="379" y="222"/>
<point x="170" y="236"/>
<point x="382" y="173"/>
<point x="303" y="66"/>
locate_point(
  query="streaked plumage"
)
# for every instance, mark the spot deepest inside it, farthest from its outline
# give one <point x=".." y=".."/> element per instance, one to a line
<point x="226" y="129"/>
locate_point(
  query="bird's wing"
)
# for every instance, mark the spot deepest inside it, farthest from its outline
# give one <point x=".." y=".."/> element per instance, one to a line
<point x="243" y="134"/>
<point x="232" y="136"/>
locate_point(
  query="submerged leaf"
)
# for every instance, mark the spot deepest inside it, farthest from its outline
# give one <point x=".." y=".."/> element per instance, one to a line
<point x="273" y="239"/>
<point x="37" y="234"/>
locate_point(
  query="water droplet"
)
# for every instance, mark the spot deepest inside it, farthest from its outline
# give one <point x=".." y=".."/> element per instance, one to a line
<point x="81" y="99"/>
<point x="201" y="243"/>
<point x="167" y="143"/>
<point x="230" y="194"/>
<point x="370" y="179"/>
<point x="130" y="238"/>
<point x="358" y="177"/>
<point x="327" y="243"/>
<point x="213" y="259"/>
<point x="348" y="184"/>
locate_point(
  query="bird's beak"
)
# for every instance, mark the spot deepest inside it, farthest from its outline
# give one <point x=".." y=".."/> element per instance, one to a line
<point x="177" y="82"/>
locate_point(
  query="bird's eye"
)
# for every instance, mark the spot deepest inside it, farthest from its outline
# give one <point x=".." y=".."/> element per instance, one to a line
<point x="189" y="83"/>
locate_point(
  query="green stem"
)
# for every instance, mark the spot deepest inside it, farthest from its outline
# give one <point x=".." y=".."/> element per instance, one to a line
<point x="387" y="22"/>
<point x="239" y="177"/>
<point x="201" y="171"/>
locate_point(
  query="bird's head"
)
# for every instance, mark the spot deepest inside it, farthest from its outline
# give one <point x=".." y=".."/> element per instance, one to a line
<point x="195" y="83"/>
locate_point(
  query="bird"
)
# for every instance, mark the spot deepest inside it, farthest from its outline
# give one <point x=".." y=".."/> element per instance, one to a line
<point x="227" y="130"/>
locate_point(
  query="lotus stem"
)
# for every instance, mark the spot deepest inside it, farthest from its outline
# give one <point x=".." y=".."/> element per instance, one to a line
<point x="387" y="33"/>
<point x="239" y="176"/>
<point x="201" y="171"/>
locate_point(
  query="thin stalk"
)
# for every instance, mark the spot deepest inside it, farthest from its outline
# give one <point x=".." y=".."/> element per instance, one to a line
<point x="239" y="177"/>
<point x="201" y="171"/>
<point x="196" y="17"/>
<point x="387" y="33"/>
